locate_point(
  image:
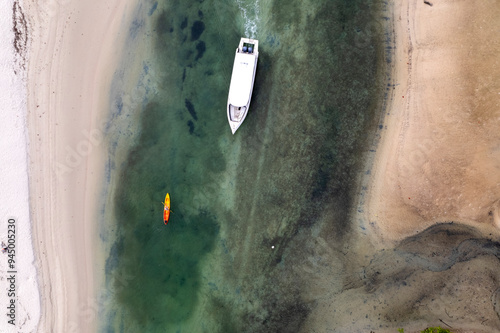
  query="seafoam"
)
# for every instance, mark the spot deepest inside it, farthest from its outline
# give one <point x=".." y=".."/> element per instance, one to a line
<point x="250" y="12"/>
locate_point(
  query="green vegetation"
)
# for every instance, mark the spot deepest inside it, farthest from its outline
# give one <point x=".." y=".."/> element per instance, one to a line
<point x="436" y="330"/>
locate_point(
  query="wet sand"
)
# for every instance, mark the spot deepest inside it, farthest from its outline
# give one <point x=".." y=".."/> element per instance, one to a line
<point x="439" y="155"/>
<point x="431" y="205"/>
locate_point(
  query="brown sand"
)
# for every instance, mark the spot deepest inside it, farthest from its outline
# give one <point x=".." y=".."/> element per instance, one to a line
<point x="439" y="156"/>
<point x="438" y="160"/>
<point x="72" y="59"/>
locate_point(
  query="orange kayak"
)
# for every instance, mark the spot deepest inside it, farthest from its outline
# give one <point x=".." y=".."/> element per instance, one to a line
<point x="166" y="209"/>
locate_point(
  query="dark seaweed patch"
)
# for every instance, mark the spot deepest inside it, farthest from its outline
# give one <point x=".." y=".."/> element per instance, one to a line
<point x="114" y="253"/>
<point x="321" y="183"/>
<point x="190" y="108"/>
<point x="119" y="105"/>
<point x="162" y="24"/>
<point x="153" y="8"/>
<point x="285" y="319"/>
<point x="443" y="245"/>
<point x="224" y="314"/>
<point x="135" y="27"/>
<point x="197" y="29"/>
<point x="191" y="126"/>
<point x="20" y="29"/>
<point x="184" y="23"/>
<point x="174" y="275"/>
<point x="200" y="47"/>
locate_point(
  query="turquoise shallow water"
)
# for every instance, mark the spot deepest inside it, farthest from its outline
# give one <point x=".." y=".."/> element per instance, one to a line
<point x="249" y="211"/>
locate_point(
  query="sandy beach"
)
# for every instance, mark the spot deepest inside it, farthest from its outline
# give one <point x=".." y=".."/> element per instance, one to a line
<point x="439" y="156"/>
<point x="74" y="47"/>
<point x="18" y="278"/>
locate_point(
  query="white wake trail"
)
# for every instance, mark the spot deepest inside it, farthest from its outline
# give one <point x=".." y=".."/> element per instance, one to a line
<point x="250" y="12"/>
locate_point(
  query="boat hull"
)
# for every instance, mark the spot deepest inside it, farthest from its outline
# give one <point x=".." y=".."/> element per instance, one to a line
<point x="242" y="82"/>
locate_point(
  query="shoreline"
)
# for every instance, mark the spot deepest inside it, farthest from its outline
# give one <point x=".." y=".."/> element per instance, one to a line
<point x="72" y="61"/>
<point x="131" y="86"/>
<point x="427" y="168"/>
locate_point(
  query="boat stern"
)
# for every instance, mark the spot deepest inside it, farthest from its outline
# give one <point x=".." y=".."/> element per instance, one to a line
<point x="248" y="45"/>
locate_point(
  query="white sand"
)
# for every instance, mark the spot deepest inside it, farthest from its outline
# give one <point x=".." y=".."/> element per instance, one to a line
<point x="14" y="187"/>
<point x="74" y="50"/>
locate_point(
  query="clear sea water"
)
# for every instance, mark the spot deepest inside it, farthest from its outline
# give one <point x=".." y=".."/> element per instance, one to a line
<point x="258" y="217"/>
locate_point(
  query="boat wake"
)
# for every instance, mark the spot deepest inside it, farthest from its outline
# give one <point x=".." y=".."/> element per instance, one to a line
<point x="250" y="12"/>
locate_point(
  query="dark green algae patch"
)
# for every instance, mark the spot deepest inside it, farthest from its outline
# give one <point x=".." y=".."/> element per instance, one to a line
<point x="294" y="165"/>
<point x="157" y="278"/>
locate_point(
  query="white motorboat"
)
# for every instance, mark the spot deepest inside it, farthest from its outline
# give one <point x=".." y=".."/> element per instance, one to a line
<point x="241" y="87"/>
